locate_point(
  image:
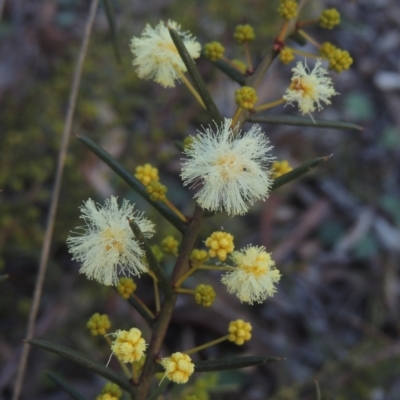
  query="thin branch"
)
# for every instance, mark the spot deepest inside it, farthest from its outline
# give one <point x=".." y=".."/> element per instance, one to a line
<point x="44" y="257"/>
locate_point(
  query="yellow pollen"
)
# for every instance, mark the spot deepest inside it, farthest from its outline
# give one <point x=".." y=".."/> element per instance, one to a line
<point x="229" y="165"/>
<point x="300" y="86"/>
<point x="109" y="235"/>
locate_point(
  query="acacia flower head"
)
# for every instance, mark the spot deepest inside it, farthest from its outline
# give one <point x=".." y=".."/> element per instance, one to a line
<point x="254" y="276"/>
<point x="230" y="166"/>
<point x="239" y="331"/>
<point x="156" y="56"/>
<point x="178" y="367"/>
<point x="107" y="242"/>
<point x="309" y="88"/>
<point x="128" y="346"/>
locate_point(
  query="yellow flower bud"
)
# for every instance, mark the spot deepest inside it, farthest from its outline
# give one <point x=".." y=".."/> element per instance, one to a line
<point x="288" y="9"/>
<point x="146" y="173"/>
<point x="156" y="190"/>
<point x="286" y="55"/>
<point x="158" y="254"/>
<point x="280" y="168"/>
<point x="98" y="324"/>
<point x="246" y="97"/>
<point x="125" y="287"/>
<point x="329" y="18"/>
<point x="214" y="51"/>
<point x="220" y="245"/>
<point x="244" y="33"/>
<point x="340" y="60"/>
<point x="110" y="391"/>
<point x="239" y="331"/>
<point x="204" y="295"/>
<point x="199" y="256"/>
<point x="170" y="245"/>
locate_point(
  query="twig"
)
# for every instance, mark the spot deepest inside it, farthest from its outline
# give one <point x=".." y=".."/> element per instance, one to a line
<point x="54" y="200"/>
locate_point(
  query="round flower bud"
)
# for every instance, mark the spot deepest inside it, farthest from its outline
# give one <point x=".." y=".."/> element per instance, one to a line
<point x="327" y="49"/>
<point x="146" y="173"/>
<point x="204" y="295"/>
<point x="156" y="190"/>
<point x="220" y="245"/>
<point x="158" y="254"/>
<point x="214" y="51"/>
<point x="98" y="324"/>
<point x="170" y="245"/>
<point x="199" y="256"/>
<point x="110" y="391"/>
<point x="246" y="97"/>
<point x="239" y="331"/>
<point x="340" y="60"/>
<point x="286" y="55"/>
<point x="125" y="287"/>
<point x="288" y="9"/>
<point x="244" y="33"/>
<point x="280" y="168"/>
<point x="329" y="18"/>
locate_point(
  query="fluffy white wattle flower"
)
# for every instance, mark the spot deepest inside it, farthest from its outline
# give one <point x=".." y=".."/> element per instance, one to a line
<point x="254" y="276"/>
<point x="107" y="241"/>
<point x="156" y="56"/>
<point x="232" y="169"/>
<point x="309" y="88"/>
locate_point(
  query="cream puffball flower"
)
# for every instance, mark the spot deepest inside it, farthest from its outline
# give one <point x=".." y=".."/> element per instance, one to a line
<point x="108" y="243"/>
<point x="309" y="88"/>
<point x="230" y="166"/>
<point x="254" y="276"/>
<point x="156" y="56"/>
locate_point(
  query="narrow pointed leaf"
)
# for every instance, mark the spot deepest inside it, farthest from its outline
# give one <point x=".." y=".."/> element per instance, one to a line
<point x="232" y="363"/>
<point x="66" y="387"/>
<point x="134" y="183"/>
<point x="304" y="121"/>
<point x="153" y="263"/>
<point x="196" y="77"/>
<point x="3" y="277"/>
<point x="228" y="70"/>
<point x="297" y="172"/>
<point x="111" y="23"/>
<point x="83" y="360"/>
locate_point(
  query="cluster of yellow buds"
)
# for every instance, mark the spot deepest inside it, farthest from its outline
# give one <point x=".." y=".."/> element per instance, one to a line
<point x="146" y="173"/>
<point x="204" y="295"/>
<point x="178" y="367"/>
<point x="246" y="97"/>
<point x="280" y="168"/>
<point x="286" y="55"/>
<point x="156" y="190"/>
<point x="199" y="256"/>
<point x="244" y="33"/>
<point x="220" y="245"/>
<point x="214" y="51"/>
<point x="287" y="9"/>
<point x="128" y="346"/>
<point x="239" y="331"/>
<point x="98" y="324"/>
<point x="170" y="245"/>
<point x="125" y="287"/>
<point x="339" y="60"/>
<point x="329" y="18"/>
<point x="110" y="391"/>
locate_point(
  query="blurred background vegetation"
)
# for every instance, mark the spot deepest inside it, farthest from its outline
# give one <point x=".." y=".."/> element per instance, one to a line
<point x="335" y="234"/>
